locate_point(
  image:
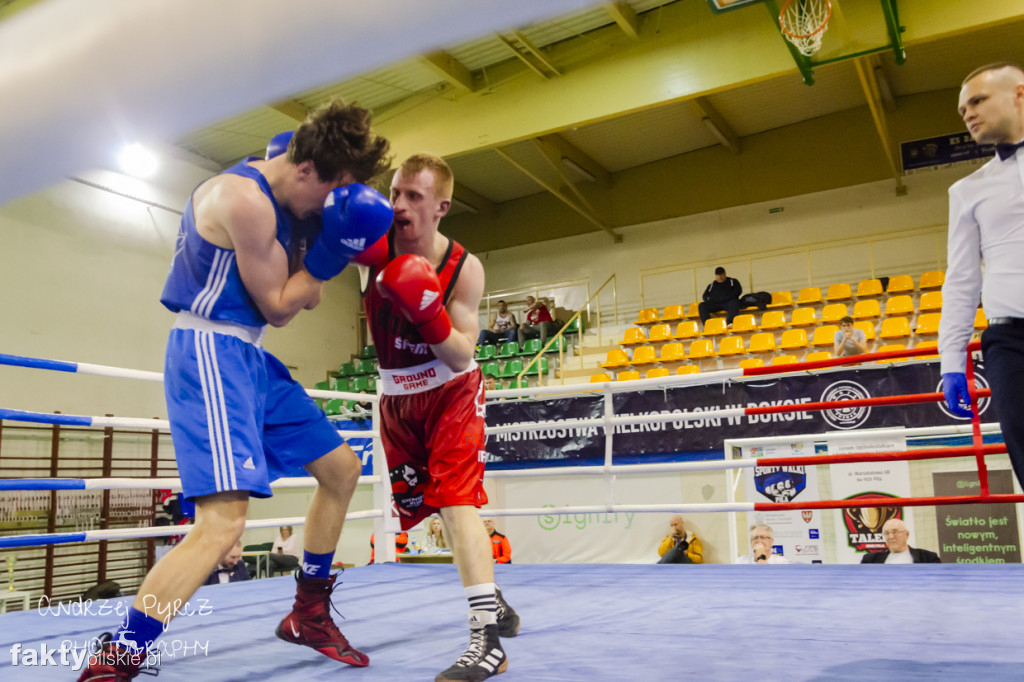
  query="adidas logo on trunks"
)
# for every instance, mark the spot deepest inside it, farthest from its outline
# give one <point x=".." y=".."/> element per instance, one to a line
<point x="428" y="298"/>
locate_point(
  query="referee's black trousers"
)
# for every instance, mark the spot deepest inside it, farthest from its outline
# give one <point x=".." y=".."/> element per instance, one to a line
<point x="1003" y="348"/>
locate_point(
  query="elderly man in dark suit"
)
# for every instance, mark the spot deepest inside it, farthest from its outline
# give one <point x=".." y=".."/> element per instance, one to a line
<point x="899" y="552"/>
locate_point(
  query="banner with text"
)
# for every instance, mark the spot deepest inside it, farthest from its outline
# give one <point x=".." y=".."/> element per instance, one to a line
<point x="570" y="444"/>
<point x="859" y="529"/>
<point x="797" y="533"/>
<point x="976" y="533"/>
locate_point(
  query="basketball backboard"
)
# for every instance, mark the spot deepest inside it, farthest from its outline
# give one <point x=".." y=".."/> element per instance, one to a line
<point x="725" y="5"/>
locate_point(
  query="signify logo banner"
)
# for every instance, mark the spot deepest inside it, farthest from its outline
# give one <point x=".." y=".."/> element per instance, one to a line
<point x="583" y="521"/>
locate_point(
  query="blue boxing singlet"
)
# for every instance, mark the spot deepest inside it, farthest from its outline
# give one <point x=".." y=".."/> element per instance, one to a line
<point x="204" y="278"/>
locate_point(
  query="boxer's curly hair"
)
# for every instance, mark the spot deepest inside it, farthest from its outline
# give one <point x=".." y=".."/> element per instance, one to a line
<point x="337" y="137"/>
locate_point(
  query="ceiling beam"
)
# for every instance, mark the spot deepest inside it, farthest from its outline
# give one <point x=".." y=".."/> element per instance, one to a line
<point x="625" y="16"/>
<point x="450" y="69"/>
<point x="529" y="54"/>
<point x="717" y="125"/>
<point x="472" y="200"/>
<point x="583" y="210"/>
<point x="568" y="151"/>
<point x="291" y="109"/>
<point x="868" y="81"/>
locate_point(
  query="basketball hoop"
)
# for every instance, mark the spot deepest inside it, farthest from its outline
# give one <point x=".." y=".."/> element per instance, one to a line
<point x="804" y="23"/>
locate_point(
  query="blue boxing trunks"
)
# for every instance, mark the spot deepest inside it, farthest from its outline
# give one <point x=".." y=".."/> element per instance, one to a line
<point x="238" y="419"/>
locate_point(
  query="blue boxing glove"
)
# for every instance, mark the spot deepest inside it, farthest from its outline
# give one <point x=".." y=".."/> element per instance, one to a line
<point x="354" y="219"/>
<point x="278" y="144"/>
<point x="954" y="386"/>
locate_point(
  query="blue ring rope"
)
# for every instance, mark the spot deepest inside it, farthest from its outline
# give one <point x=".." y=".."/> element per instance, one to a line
<point x="38" y="363"/>
<point x="42" y="484"/>
<point x="44" y="418"/>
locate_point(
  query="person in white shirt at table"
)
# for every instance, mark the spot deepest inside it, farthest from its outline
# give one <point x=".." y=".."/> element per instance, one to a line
<point x="986" y="223"/>
<point x="762" y="541"/>
<point x="286" y="551"/>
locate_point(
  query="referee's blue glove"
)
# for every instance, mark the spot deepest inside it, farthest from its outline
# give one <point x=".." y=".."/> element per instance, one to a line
<point x="954" y="386"/>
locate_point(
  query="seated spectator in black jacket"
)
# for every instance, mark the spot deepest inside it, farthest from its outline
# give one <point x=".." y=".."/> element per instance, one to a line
<point x="722" y="294"/>
<point x="899" y="552"/>
<point x="230" y="568"/>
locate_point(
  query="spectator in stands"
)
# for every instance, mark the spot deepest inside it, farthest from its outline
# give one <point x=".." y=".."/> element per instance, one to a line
<point x="435" y="536"/>
<point x="286" y="551"/>
<point x="490" y="384"/>
<point x="230" y="568"/>
<point x="537" y="323"/>
<point x="898" y="551"/>
<point x="762" y="550"/>
<point x="679" y="546"/>
<point x="500" y="546"/>
<point x="502" y="327"/>
<point x="849" y="340"/>
<point x="401" y="542"/>
<point x="722" y="294"/>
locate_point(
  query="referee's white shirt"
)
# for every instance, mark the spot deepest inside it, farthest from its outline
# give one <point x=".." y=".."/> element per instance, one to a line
<point x="986" y="222"/>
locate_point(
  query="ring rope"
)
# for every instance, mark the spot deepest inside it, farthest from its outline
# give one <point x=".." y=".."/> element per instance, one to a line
<point x="40" y="484"/>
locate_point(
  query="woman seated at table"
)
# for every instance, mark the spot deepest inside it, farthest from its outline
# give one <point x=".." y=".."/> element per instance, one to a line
<point x="435" y="537"/>
<point x="284" y="555"/>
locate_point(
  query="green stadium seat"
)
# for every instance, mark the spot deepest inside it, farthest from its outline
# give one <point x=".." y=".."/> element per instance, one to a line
<point x="508" y="349"/>
<point x="347" y="369"/>
<point x="341" y="384"/>
<point x="487" y="352"/>
<point x="512" y="368"/>
<point x="322" y="385"/>
<point x="333" y="407"/>
<point x="491" y="369"/>
<point x="369" y="353"/>
<point x="531" y="347"/>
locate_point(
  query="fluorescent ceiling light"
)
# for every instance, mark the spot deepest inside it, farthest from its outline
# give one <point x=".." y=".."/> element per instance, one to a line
<point x="138" y="161"/>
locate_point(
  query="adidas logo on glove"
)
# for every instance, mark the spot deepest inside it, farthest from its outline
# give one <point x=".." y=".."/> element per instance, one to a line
<point x="355" y="244"/>
<point x="428" y="298"/>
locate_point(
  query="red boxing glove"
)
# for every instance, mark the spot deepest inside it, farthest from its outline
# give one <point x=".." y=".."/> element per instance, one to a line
<point x="411" y="284"/>
<point x="376" y="254"/>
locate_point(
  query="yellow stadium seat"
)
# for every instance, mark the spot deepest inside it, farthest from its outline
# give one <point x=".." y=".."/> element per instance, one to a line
<point x="731" y="345"/>
<point x="751" y="362"/>
<point x="868" y="328"/>
<point x="869" y="287"/>
<point x="762" y="343"/>
<point x="931" y="302"/>
<point x="673" y="313"/>
<point x="616" y="358"/>
<point x="900" y="284"/>
<point x="980" y="320"/>
<point x="927" y="344"/>
<point x="783" y="360"/>
<point x="660" y="332"/>
<point x="793" y="339"/>
<point x="647" y="316"/>
<point x="809" y="296"/>
<point x="834" y="312"/>
<point x="818" y="355"/>
<point x="895" y="328"/>
<point x="743" y="323"/>
<point x="656" y="372"/>
<point x="701" y="348"/>
<point x="781" y="299"/>
<point x="839" y="292"/>
<point x="899" y="305"/>
<point x="866" y="310"/>
<point x="630" y="375"/>
<point x="932" y="280"/>
<point x="928" y="324"/>
<point x="644" y="355"/>
<point x="633" y="336"/>
<point x="773" y="319"/>
<point x="687" y="330"/>
<point x="890" y="347"/>
<point x="693" y="310"/>
<point x="598" y="378"/>
<point x="714" y="327"/>
<point x="825" y="335"/>
<point x="804" y="317"/>
<point x="672" y="352"/>
<point x="688" y="369"/>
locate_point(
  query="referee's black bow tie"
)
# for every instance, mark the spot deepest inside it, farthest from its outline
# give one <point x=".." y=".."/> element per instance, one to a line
<point x="1008" y="149"/>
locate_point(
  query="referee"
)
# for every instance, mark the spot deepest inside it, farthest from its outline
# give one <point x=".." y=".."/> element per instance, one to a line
<point x="986" y="223"/>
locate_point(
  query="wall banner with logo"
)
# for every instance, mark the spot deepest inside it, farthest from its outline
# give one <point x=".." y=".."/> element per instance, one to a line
<point x="859" y="529"/>
<point x="564" y="444"/>
<point x="797" y="533"/>
<point x="976" y="533"/>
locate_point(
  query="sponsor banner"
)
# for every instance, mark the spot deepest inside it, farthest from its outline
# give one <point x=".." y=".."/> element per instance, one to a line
<point x="859" y="529"/>
<point x="797" y="533"/>
<point x="363" y="447"/>
<point x="976" y="533"/>
<point x="944" y="151"/>
<point x="702" y="435"/>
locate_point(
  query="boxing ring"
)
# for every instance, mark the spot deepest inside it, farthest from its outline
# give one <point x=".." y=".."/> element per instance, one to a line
<point x="720" y="622"/>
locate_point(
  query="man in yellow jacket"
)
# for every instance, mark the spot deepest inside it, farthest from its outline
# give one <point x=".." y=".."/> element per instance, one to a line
<point x="680" y="547"/>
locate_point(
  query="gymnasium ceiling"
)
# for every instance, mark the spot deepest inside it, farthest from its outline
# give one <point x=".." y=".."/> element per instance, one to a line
<point x="574" y="124"/>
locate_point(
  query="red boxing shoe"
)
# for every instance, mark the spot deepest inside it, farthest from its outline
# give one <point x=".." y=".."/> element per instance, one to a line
<point x="310" y="623"/>
<point x="111" y="663"/>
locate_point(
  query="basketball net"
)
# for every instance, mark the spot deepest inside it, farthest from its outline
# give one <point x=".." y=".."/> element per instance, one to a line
<point x="804" y="23"/>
